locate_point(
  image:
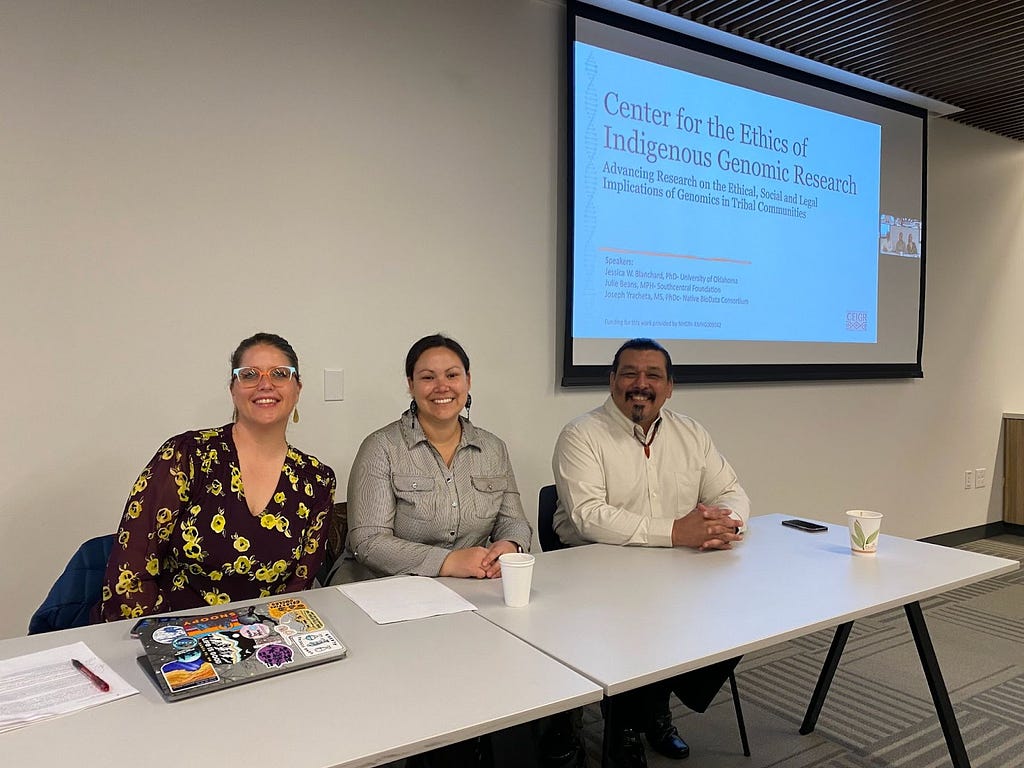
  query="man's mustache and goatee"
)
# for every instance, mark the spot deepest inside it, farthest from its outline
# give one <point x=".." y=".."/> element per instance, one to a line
<point x="638" y="408"/>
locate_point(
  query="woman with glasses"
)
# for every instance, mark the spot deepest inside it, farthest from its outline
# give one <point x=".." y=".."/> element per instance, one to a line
<point x="431" y="494"/>
<point x="229" y="513"/>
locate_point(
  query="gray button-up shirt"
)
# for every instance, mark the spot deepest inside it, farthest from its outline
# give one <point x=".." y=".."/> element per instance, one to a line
<point x="407" y="510"/>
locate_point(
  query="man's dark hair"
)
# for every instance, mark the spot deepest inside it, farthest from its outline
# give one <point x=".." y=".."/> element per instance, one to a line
<point x="643" y="344"/>
<point x="271" y="340"/>
<point x="431" y="342"/>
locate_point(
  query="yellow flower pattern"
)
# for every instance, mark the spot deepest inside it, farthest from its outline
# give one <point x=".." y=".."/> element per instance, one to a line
<point x="276" y="522"/>
<point x="142" y="482"/>
<point x="207" y="461"/>
<point x="214" y="597"/>
<point x="133" y="612"/>
<point x="187" y="537"/>
<point x="181" y="480"/>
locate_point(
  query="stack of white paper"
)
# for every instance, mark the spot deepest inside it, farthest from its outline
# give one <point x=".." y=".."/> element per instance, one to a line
<point x="46" y="684"/>
<point x="404" y="597"/>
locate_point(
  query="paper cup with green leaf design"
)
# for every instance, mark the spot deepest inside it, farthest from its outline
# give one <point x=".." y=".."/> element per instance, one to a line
<point x="864" y="527"/>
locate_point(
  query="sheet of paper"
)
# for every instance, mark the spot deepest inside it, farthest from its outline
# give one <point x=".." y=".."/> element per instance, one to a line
<point x="404" y="597"/>
<point x="45" y="684"/>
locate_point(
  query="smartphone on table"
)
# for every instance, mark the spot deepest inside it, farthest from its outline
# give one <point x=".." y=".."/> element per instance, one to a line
<point x="805" y="525"/>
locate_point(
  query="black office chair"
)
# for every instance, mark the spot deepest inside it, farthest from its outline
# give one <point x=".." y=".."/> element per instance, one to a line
<point x="546" y="505"/>
<point x="75" y="592"/>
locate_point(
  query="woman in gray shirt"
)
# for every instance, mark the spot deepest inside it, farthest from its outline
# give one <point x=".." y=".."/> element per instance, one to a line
<point x="431" y="494"/>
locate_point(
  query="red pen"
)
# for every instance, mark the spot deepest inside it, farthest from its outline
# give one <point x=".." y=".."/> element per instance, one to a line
<point x="98" y="681"/>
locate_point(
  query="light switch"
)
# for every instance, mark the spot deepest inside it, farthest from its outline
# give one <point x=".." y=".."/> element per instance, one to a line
<point x="334" y="384"/>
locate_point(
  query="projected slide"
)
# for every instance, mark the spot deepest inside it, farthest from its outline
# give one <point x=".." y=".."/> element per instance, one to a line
<point x="704" y="210"/>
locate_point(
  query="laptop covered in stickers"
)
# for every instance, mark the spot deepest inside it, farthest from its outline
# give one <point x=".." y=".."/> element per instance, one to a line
<point x="191" y="655"/>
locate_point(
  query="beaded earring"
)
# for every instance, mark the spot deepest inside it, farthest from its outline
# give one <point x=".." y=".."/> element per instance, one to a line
<point x="469" y="403"/>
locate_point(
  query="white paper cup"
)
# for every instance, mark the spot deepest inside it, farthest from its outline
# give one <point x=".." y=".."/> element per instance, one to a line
<point x="516" y="575"/>
<point x="864" y="528"/>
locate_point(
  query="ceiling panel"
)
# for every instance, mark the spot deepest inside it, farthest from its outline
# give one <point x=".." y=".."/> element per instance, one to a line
<point x="968" y="54"/>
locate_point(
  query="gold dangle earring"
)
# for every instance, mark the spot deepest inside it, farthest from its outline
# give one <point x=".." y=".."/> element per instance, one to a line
<point x="295" y="415"/>
<point x="234" y="415"/>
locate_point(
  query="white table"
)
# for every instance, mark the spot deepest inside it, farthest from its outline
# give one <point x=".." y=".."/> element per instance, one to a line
<point x="629" y="616"/>
<point x="404" y="688"/>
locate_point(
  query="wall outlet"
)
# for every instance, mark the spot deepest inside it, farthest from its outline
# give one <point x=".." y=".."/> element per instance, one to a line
<point x="968" y="479"/>
<point x="980" y="477"/>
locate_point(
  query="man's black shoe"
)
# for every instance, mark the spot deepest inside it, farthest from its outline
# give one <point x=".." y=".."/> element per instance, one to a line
<point x="627" y="751"/>
<point x="665" y="740"/>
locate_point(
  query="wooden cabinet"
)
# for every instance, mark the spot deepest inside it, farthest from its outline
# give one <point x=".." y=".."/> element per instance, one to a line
<point x="1013" y="468"/>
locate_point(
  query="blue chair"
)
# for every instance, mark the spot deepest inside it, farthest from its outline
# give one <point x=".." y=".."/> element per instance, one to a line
<point x="77" y="590"/>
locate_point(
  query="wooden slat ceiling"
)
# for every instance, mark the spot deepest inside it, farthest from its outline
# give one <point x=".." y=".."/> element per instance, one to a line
<point x="969" y="54"/>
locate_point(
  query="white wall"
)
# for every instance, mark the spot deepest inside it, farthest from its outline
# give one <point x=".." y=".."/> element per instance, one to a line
<point x="176" y="176"/>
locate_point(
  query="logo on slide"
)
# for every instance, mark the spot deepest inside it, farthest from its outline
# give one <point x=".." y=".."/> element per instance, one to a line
<point x="856" y="321"/>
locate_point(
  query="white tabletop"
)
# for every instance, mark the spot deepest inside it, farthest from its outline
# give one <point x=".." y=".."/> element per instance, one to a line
<point x="404" y="688"/>
<point x="628" y="616"/>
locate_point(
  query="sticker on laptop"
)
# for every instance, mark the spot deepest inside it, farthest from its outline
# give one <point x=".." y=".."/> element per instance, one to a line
<point x="226" y="647"/>
<point x="318" y="643"/>
<point x="189" y="670"/>
<point x="279" y="608"/>
<point x="168" y="634"/>
<point x="309" y="619"/>
<point x="274" y="655"/>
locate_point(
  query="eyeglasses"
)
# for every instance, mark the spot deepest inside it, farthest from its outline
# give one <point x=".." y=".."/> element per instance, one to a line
<point x="250" y="377"/>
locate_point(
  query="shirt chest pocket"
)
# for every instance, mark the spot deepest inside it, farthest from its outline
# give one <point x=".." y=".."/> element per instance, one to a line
<point x="414" y="495"/>
<point x="488" y="493"/>
<point x="688" y="489"/>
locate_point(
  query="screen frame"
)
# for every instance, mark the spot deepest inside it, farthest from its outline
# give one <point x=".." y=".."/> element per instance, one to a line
<point x="576" y="375"/>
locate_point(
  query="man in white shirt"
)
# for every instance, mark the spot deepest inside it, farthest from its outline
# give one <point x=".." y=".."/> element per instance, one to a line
<point x="635" y="473"/>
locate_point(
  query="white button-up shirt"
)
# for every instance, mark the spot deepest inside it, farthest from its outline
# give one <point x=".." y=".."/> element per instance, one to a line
<point x="610" y="492"/>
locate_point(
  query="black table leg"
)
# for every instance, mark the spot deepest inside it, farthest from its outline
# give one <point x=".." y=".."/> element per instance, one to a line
<point x="937" y="686"/>
<point x="828" y="671"/>
<point x="606" y="739"/>
<point x="739" y="715"/>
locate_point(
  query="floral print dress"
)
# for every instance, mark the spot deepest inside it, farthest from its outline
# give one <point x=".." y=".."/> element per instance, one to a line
<point x="187" y="538"/>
